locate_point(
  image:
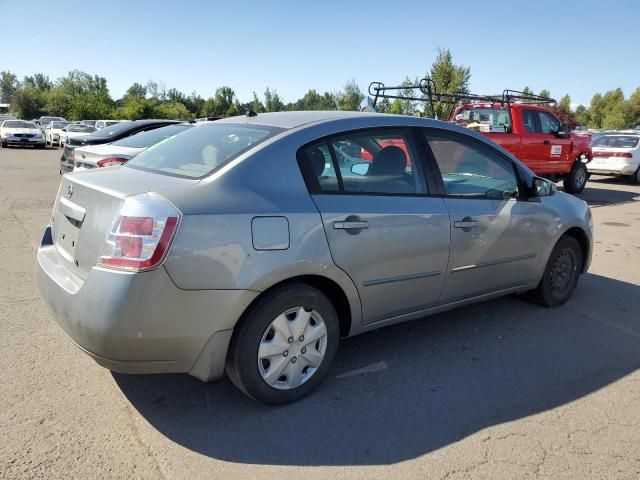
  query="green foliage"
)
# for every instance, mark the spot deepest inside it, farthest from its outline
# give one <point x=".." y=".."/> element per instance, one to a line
<point x="565" y="104"/>
<point x="545" y="93"/>
<point x="448" y="78"/>
<point x="351" y="98"/>
<point x="312" y="100"/>
<point x="8" y="86"/>
<point x="272" y="102"/>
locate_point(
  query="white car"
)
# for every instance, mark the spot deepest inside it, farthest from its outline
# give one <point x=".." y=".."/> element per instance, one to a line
<point x="106" y="123"/>
<point x="75" y="130"/>
<point x="20" y="132"/>
<point x="617" y="154"/>
<point x="118" y="152"/>
<point x="53" y="132"/>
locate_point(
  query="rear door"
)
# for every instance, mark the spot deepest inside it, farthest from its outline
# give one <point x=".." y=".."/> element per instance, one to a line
<point x="384" y="229"/>
<point x="496" y="238"/>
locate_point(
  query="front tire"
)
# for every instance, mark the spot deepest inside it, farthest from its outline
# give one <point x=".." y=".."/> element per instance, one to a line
<point x="576" y="180"/>
<point x="285" y="345"/>
<point x="561" y="274"/>
<point x="635" y="178"/>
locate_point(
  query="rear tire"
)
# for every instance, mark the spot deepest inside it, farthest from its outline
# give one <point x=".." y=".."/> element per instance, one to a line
<point x="561" y="274"/>
<point x="255" y="362"/>
<point x="576" y="180"/>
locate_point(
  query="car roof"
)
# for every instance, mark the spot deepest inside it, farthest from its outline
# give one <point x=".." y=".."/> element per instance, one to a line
<point x="295" y="119"/>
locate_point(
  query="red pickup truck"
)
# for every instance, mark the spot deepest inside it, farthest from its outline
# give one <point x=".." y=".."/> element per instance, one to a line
<point x="534" y="135"/>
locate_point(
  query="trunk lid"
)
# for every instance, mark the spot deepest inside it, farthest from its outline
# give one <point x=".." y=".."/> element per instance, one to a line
<point x="87" y="204"/>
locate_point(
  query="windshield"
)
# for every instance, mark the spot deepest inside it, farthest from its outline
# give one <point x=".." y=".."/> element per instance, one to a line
<point x="59" y="124"/>
<point x="81" y="128"/>
<point x="198" y="151"/>
<point x="616" y="141"/>
<point x="484" y="119"/>
<point x="146" y="139"/>
<point x="18" y="124"/>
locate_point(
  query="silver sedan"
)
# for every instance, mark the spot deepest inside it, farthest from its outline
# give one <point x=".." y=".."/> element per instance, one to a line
<point x="252" y="244"/>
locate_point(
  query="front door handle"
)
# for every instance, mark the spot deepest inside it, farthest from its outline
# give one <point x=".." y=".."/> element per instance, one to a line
<point x="466" y="223"/>
<point x="351" y="225"/>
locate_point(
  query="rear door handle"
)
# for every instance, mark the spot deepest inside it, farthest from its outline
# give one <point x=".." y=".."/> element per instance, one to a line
<point x="348" y="225"/>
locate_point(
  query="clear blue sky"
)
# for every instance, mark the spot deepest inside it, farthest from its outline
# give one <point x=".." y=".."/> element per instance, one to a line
<point x="566" y="47"/>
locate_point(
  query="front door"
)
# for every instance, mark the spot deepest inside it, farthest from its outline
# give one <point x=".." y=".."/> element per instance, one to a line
<point x="383" y="229"/>
<point x="496" y="240"/>
<point x="542" y="149"/>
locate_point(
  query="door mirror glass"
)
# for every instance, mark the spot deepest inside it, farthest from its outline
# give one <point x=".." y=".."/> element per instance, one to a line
<point x="360" y="168"/>
<point x="543" y="187"/>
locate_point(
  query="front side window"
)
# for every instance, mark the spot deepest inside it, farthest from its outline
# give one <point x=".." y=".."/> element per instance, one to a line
<point x="198" y="151"/>
<point x="373" y="163"/>
<point x="471" y="170"/>
<point x="548" y="123"/>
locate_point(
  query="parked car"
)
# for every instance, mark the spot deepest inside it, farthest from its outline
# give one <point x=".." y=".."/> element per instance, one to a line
<point x="109" y="154"/>
<point x="534" y="135"/>
<point x="75" y="130"/>
<point x="91" y="123"/>
<point x="107" y="135"/>
<point x="617" y="154"/>
<point x="44" y="121"/>
<point x="243" y="244"/>
<point x="99" y="124"/>
<point x="53" y="132"/>
<point x="20" y="132"/>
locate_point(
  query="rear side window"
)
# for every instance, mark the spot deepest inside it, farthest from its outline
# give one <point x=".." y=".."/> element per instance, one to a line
<point x="374" y="162"/>
<point x="470" y="170"/>
<point x="529" y="120"/>
<point x="199" y="151"/>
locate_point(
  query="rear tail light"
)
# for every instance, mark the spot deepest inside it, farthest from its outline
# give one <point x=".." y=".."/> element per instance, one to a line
<point x="110" y="162"/>
<point x="613" y="154"/>
<point x="141" y="234"/>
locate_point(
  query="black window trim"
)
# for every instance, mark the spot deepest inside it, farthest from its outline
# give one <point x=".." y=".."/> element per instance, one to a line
<point x="424" y="171"/>
<point x="522" y="189"/>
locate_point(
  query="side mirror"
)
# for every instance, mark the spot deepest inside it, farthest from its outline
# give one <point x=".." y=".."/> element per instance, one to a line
<point x="360" y="168"/>
<point x="564" y="131"/>
<point x="543" y="187"/>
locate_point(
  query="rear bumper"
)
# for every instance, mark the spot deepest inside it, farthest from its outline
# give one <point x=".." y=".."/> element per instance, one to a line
<point x="140" y="322"/>
<point x="612" y="168"/>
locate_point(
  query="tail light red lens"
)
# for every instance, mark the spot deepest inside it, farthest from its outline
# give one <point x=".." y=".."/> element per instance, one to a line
<point x="110" y="162"/>
<point x="141" y="235"/>
<point x="613" y="154"/>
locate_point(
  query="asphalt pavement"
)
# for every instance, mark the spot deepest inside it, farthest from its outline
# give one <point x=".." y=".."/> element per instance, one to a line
<point x="504" y="389"/>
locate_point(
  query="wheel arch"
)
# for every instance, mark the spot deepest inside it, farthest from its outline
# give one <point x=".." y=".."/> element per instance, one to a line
<point x="583" y="240"/>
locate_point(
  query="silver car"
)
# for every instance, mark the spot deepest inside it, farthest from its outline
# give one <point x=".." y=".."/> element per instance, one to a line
<point x="250" y="245"/>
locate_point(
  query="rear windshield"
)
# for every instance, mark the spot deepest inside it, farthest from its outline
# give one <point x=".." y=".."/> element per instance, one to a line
<point x="18" y="124"/>
<point x="616" y="141"/>
<point x="146" y="139"/>
<point x="198" y="151"/>
<point x="113" y="130"/>
<point x="484" y="119"/>
<point x="59" y="124"/>
<point x="47" y="120"/>
<point x="81" y="128"/>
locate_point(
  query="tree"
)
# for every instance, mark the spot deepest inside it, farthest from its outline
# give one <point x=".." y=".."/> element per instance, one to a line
<point x="448" y="78"/>
<point x="28" y="102"/>
<point x="136" y="91"/>
<point x="312" y="100"/>
<point x="157" y="90"/>
<point x="8" y="86"/>
<point x="223" y="103"/>
<point x="582" y="115"/>
<point x="256" y="105"/>
<point x="527" y="91"/>
<point x="272" y="102"/>
<point x="172" y="111"/>
<point x="351" y="97"/>
<point x="38" y="81"/>
<point x="545" y="93"/>
<point x="565" y="104"/>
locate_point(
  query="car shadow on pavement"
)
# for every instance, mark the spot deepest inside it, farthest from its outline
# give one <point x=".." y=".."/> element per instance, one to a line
<point x="409" y="389"/>
<point x="623" y="192"/>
